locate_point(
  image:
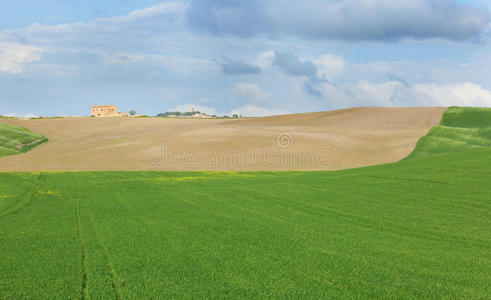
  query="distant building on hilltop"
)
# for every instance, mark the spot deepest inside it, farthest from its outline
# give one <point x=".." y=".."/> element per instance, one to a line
<point x="106" y="111"/>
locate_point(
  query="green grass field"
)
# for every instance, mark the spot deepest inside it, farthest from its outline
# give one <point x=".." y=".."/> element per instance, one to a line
<point x="419" y="228"/>
<point x="15" y="140"/>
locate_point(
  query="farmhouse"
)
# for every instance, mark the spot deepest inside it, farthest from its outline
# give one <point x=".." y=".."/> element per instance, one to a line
<point x="106" y="111"/>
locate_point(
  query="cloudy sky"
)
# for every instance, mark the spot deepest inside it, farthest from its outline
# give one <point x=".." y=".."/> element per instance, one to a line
<point x="254" y="57"/>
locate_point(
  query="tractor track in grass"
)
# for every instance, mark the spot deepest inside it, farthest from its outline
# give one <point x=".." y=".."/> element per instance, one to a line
<point x="25" y="200"/>
<point x="410" y="179"/>
<point x="363" y="222"/>
<point x="111" y="270"/>
<point x="84" y="286"/>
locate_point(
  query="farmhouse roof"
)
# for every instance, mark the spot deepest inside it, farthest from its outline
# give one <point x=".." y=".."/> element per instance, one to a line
<point x="103" y="105"/>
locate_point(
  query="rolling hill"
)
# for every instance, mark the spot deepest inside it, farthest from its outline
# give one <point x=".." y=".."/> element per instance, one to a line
<point x="330" y="140"/>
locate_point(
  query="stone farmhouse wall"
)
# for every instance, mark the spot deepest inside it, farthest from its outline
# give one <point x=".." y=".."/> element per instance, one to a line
<point x="106" y="111"/>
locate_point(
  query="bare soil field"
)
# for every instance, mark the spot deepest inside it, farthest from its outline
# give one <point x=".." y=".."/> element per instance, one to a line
<point x="330" y="140"/>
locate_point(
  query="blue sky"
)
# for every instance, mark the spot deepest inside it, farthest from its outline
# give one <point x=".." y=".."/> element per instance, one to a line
<point x="59" y="57"/>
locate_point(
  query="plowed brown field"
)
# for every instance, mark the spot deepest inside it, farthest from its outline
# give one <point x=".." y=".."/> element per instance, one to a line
<point x="312" y="141"/>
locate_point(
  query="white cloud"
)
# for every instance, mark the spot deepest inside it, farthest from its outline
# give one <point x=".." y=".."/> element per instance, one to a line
<point x="361" y="93"/>
<point x="30" y="116"/>
<point x="329" y="66"/>
<point x="251" y="92"/>
<point x="183" y="65"/>
<point x="14" y="57"/>
<point x="121" y="58"/>
<point x="375" y="93"/>
<point x="160" y="9"/>
<point x="257" y="111"/>
<point x="26" y="116"/>
<point x="462" y="94"/>
<point x="395" y="93"/>
<point x="265" y="59"/>
<point x="131" y="29"/>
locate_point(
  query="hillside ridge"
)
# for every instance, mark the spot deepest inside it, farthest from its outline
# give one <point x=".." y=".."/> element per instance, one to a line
<point x="331" y="140"/>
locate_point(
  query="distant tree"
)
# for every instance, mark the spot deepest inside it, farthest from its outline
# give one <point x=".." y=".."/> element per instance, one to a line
<point x="235" y="116"/>
<point x="132" y="112"/>
<point x="170" y="113"/>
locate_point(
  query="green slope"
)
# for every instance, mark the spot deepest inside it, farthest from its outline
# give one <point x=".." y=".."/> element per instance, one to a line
<point x="461" y="129"/>
<point x="15" y="140"/>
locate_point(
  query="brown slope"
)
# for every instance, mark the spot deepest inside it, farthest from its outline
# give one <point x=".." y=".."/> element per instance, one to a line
<point x="312" y="141"/>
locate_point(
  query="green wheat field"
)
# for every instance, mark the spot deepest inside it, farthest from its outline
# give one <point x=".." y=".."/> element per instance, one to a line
<point x="419" y="228"/>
